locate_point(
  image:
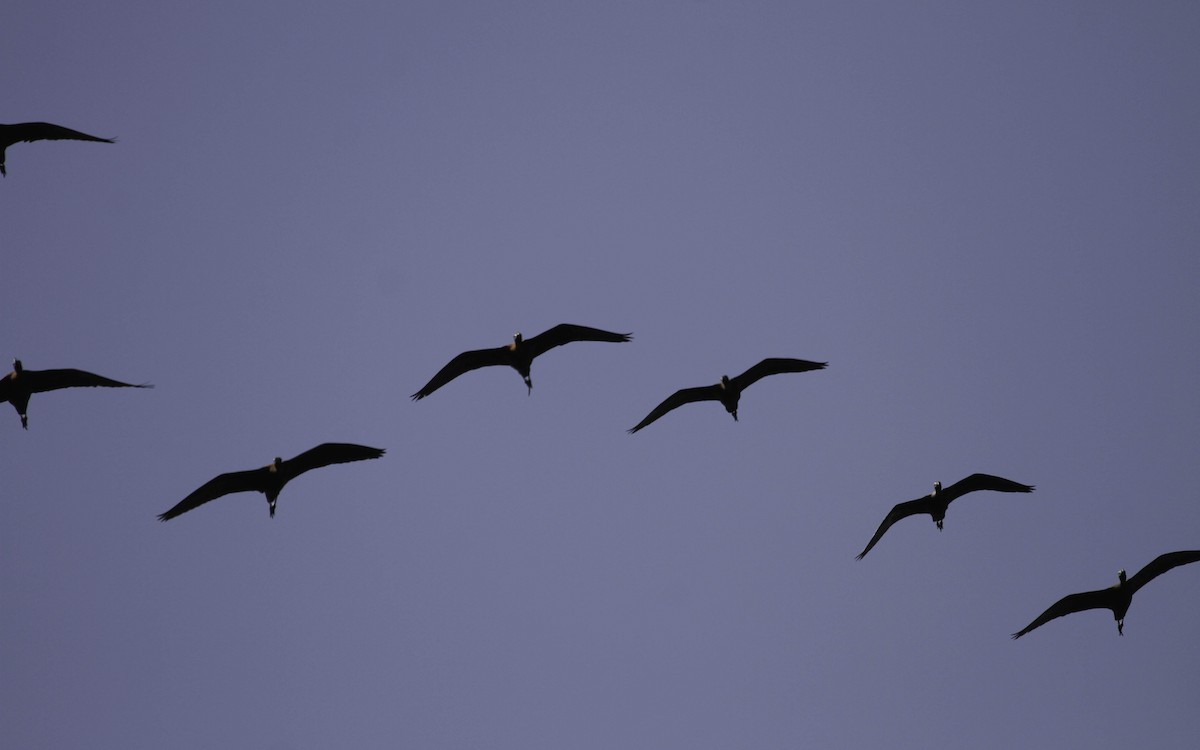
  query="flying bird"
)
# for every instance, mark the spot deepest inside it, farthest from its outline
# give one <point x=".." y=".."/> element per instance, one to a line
<point x="936" y="502"/>
<point x="517" y="355"/>
<point x="729" y="390"/>
<point x="1118" y="597"/>
<point x="271" y="478"/>
<point x="17" y="386"/>
<point x="39" y="131"/>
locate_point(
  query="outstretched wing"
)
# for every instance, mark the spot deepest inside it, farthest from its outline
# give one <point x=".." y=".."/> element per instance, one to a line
<point x="899" y="511"/>
<point x="41" y="381"/>
<point x="982" y="482"/>
<point x="677" y="399"/>
<point x="326" y="454"/>
<point x="565" y="333"/>
<point x="225" y="484"/>
<point x="1160" y="565"/>
<point x="774" y="366"/>
<point x="45" y="131"/>
<point x="1068" y="605"/>
<point x="464" y="362"/>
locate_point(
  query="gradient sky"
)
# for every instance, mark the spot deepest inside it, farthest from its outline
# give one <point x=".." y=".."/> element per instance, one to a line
<point x="984" y="218"/>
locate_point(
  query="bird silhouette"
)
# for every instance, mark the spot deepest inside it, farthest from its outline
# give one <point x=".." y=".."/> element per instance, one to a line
<point x="271" y="478"/>
<point x="39" y="131"/>
<point x="1118" y="597"/>
<point x="518" y="355"/>
<point x="936" y="502"/>
<point x="729" y="390"/>
<point x="17" y="386"/>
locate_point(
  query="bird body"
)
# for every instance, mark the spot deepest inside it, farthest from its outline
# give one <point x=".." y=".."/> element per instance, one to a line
<point x="729" y="390"/>
<point x="270" y="479"/>
<point x="39" y="131"/>
<point x="729" y="396"/>
<point x="518" y="355"/>
<point x="1116" y="598"/>
<point x="936" y="502"/>
<point x="17" y="386"/>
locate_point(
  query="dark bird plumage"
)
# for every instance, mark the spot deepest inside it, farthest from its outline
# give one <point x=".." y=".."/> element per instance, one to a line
<point x="271" y="478"/>
<point x="1116" y="598"/>
<point x="517" y="355"/>
<point x="936" y="502"/>
<point x="17" y="386"/>
<point x="39" y="131"/>
<point x="729" y="390"/>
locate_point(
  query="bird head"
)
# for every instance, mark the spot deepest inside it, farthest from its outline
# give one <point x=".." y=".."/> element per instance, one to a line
<point x="725" y="381"/>
<point x="1121" y="576"/>
<point x="17" y="366"/>
<point x="274" y="467"/>
<point x="937" y="487"/>
<point x="518" y="338"/>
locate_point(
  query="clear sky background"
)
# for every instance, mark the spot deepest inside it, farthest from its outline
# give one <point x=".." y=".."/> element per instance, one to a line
<point x="984" y="218"/>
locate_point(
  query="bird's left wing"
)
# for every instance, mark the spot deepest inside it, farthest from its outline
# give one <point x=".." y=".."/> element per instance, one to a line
<point x="774" y="366"/>
<point x="326" y="454"/>
<point x="46" y="131"/>
<point x="52" y="380"/>
<point x="977" y="482"/>
<point x="565" y="333"/>
<point x="1160" y="565"/>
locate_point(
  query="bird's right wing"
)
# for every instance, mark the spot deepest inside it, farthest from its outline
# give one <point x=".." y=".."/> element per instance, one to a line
<point x="41" y="381"/>
<point x="899" y="511"/>
<point x="464" y="362"/>
<point x="234" y="481"/>
<point x="1069" y="604"/>
<point x="679" y="398"/>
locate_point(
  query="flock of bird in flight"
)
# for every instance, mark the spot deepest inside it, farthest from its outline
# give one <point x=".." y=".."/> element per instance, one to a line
<point x="17" y="386"/>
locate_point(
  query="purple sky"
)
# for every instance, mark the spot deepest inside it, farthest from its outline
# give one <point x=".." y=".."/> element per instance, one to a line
<point x="984" y="219"/>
